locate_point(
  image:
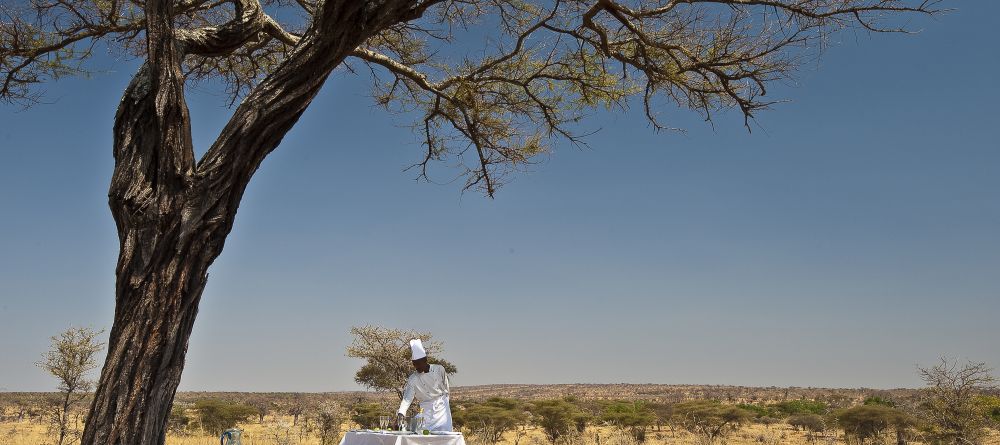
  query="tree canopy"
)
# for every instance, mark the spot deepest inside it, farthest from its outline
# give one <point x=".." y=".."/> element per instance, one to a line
<point x="386" y="353"/>
<point x="491" y="82"/>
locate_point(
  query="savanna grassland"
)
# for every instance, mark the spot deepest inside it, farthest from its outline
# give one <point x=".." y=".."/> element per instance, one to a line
<point x="595" y="415"/>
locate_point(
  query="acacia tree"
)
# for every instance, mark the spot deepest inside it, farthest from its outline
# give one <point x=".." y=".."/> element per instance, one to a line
<point x="951" y="403"/>
<point x="386" y="353"/>
<point x="70" y="359"/>
<point x="542" y="64"/>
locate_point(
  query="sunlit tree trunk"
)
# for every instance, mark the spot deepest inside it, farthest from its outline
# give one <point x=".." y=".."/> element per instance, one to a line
<point x="173" y="214"/>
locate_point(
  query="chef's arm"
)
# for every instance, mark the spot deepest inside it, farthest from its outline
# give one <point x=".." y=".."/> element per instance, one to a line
<point x="407" y="398"/>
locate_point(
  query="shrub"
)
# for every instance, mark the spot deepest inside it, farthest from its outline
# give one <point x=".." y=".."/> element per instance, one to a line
<point x="950" y="405"/>
<point x="631" y="417"/>
<point x="867" y="423"/>
<point x="558" y="418"/>
<point x="881" y="401"/>
<point x="328" y="423"/>
<point x="808" y="422"/>
<point x="991" y="407"/>
<point x="710" y="419"/>
<point x="366" y="414"/>
<point x="179" y="420"/>
<point x="793" y="407"/>
<point x="489" y="420"/>
<point x="759" y="412"/>
<point x="216" y="415"/>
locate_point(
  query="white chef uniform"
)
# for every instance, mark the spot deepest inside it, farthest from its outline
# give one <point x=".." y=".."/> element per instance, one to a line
<point x="431" y="389"/>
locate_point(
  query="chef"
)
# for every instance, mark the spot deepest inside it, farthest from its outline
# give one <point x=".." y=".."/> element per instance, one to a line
<point x="429" y="384"/>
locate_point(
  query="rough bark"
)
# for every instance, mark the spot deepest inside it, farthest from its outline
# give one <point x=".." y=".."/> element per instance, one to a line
<point x="173" y="216"/>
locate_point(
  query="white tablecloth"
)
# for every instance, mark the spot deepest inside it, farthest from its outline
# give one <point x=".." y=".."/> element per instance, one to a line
<point x="366" y="438"/>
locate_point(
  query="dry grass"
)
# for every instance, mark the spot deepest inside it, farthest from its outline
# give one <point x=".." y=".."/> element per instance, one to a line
<point x="279" y="431"/>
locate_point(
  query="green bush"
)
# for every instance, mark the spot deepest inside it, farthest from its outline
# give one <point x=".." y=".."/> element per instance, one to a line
<point x="991" y="407"/>
<point x="710" y="419"/>
<point x="366" y="414"/>
<point x="631" y="417"/>
<point x="808" y="422"/>
<point x="793" y="407"/>
<point x="179" y="420"/>
<point x="865" y="423"/>
<point x="881" y="401"/>
<point x="489" y="420"/>
<point x="758" y="411"/>
<point x="558" y="418"/>
<point x="217" y="415"/>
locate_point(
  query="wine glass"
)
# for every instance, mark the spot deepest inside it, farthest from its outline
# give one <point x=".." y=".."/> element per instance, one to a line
<point x="383" y="422"/>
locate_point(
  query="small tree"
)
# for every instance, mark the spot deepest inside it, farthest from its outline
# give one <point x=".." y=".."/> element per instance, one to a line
<point x="179" y="419"/>
<point x="387" y="356"/>
<point x="328" y="423"/>
<point x="491" y="419"/>
<point x="870" y="423"/>
<point x="813" y="423"/>
<point x="366" y="414"/>
<point x="217" y="415"/>
<point x="710" y="419"/>
<point x="262" y="403"/>
<point x="950" y="405"/>
<point x="557" y="418"/>
<point x="630" y="417"/>
<point x="69" y="361"/>
<point x="793" y="407"/>
<point x="879" y="400"/>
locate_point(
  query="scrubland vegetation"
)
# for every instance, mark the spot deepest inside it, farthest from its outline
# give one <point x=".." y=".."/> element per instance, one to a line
<point x="653" y="414"/>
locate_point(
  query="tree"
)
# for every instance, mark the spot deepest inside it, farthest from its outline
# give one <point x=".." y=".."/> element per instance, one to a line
<point x="387" y="356"/>
<point x="492" y="112"/>
<point x="69" y="360"/>
<point x="262" y="403"/>
<point x="491" y="419"/>
<point x="557" y="418"/>
<point x="366" y="414"/>
<point x="630" y="417"/>
<point x="710" y="419"/>
<point x="867" y="423"/>
<point x="813" y="423"/>
<point x="950" y="403"/>
<point x="329" y="420"/>
<point x="218" y="415"/>
<point x="793" y="407"/>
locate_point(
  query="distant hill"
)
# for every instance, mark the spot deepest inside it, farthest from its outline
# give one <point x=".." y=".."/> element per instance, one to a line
<point x="616" y="391"/>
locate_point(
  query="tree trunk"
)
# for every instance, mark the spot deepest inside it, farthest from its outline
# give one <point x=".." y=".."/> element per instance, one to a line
<point x="173" y="216"/>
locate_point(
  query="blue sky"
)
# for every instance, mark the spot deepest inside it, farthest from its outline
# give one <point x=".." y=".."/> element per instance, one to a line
<point x="853" y="235"/>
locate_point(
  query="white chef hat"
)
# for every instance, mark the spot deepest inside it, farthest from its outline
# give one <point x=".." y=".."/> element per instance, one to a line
<point x="417" y="349"/>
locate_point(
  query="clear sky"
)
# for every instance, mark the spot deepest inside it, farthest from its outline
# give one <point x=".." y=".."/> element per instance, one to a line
<point x="853" y="235"/>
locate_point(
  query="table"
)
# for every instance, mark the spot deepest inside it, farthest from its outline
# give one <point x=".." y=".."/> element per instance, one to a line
<point x="377" y="438"/>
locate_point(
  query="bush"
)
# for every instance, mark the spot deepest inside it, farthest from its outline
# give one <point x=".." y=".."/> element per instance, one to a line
<point x="950" y="405"/>
<point x="880" y="401"/>
<point x="991" y="407"/>
<point x="808" y="422"/>
<point x="759" y="412"/>
<point x="558" y="418"/>
<point x="328" y="423"/>
<point x="179" y="420"/>
<point x="631" y="417"/>
<point x="710" y="419"/>
<point x="490" y="419"/>
<point x="865" y="423"/>
<point x="216" y="415"/>
<point x="366" y="414"/>
<point x="793" y="407"/>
